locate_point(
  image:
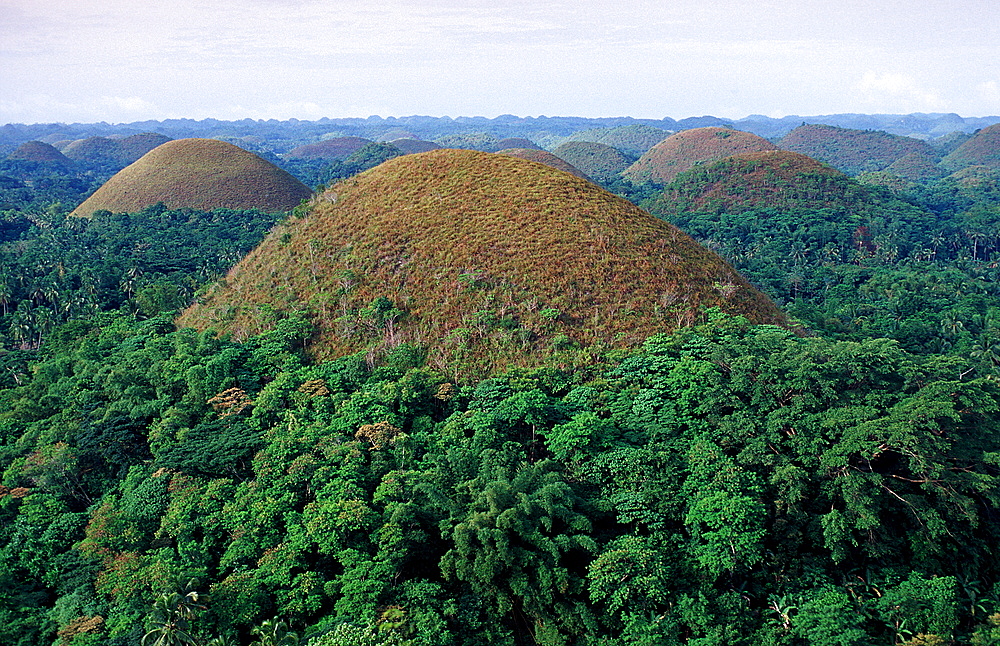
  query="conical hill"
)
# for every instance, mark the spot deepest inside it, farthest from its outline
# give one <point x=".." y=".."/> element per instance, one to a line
<point x="40" y="152"/>
<point x="484" y="260"/>
<point x="679" y="152"/>
<point x="202" y="174"/>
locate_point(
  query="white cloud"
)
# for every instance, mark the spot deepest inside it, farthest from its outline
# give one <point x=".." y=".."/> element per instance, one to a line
<point x="990" y="93"/>
<point x="898" y="92"/>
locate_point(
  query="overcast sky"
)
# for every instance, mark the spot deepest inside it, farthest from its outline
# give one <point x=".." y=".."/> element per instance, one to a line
<point x="129" y="60"/>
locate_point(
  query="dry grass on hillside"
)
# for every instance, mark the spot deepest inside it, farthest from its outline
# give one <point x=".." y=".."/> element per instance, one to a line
<point x="202" y="174"/>
<point x="544" y="157"/>
<point x="983" y="149"/>
<point x="681" y="151"/>
<point x="486" y="260"/>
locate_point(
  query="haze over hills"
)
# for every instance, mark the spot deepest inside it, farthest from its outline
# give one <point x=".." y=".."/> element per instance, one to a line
<point x="488" y="260"/>
<point x="200" y="174"/>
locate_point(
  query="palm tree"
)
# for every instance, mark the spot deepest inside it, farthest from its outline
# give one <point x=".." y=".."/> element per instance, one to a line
<point x="274" y="632"/>
<point x="171" y="619"/>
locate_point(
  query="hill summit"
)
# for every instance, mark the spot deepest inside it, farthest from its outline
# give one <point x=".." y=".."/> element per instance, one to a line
<point x="201" y="174"/>
<point x="482" y="260"/>
<point x="679" y="152"/>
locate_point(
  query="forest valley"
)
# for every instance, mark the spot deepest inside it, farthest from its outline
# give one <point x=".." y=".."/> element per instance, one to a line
<point x="726" y="484"/>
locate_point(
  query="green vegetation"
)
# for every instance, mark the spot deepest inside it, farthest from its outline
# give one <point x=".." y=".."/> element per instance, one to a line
<point x="463" y="399"/>
<point x="854" y="151"/>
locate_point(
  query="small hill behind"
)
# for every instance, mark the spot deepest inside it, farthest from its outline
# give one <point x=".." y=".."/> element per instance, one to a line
<point x="681" y="151"/>
<point x="201" y="174"/>
<point x="335" y="149"/>
<point x="544" y="157"/>
<point x="854" y="151"/>
<point x="600" y="161"/>
<point x="37" y="151"/>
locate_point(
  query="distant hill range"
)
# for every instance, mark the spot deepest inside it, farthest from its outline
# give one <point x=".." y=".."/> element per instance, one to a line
<point x="202" y="174"/>
<point x="854" y="151"/>
<point x="545" y="131"/>
<point x="483" y="260"/>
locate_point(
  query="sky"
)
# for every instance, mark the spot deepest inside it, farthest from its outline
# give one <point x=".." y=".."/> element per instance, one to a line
<point x="129" y="60"/>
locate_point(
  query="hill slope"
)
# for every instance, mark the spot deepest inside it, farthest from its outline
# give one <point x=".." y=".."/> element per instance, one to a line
<point x="486" y="260"/>
<point x="599" y="161"/>
<point x="982" y="149"/>
<point x="854" y="151"/>
<point x="37" y="151"/>
<point x="544" y="157"/>
<point x="202" y="174"/>
<point x="681" y="151"/>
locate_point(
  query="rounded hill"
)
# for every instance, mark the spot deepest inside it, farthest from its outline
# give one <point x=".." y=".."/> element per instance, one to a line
<point x="679" y="152"/>
<point x="201" y="174"/>
<point x="544" y="157"/>
<point x="94" y="150"/>
<point x="409" y="146"/>
<point x="133" y="147"/>
<point x="776" y="179"/>
<point x="40" y="152"/>
<point x="854" y="151"/>
<point x="599" y="161"/>
<point x="481" y="260"/>
<point x="634" y="139"/>
<point x="337" y="148"/>
<point x="982" y="149"/>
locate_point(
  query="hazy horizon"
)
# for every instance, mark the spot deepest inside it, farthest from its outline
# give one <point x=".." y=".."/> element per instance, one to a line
<point x="119" y="61"/>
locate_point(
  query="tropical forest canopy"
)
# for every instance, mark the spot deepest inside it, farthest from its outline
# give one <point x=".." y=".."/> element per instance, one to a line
<point x="828" y="479"/>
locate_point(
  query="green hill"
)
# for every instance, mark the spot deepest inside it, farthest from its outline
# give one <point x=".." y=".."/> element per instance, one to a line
<point x="982" y="149"/>
<point x="633" y="139"/>
<point x="854" y="151"/>
<point x="681" y="151"/>
<point x="600" y="161"/>
<point x="483" y="260"/>
<point x="37" y="151"/>
<point x="544" y="157"/>
<point x="201" y="174"/>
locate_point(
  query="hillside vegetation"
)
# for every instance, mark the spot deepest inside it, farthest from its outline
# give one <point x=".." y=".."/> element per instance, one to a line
<point x="487" y="260"/>
<point x="854" y="151"/>
<point x="681" y="151"/>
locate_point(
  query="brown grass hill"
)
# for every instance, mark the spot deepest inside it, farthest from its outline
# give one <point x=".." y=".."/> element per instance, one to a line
<point x="485" y="261"/>
<point x="517" y="142"/>
<point x="600" y="161"/>
<point x="39" y="152"/>
<point x="633" y="139"/>
<point x="201" y="174"/>
<point x="982" y="149"/>
<point x="409" y="146"/>
<point x="854" y="151"/>
<point x="681" y="151"/>
<point x="336" y="149"/>
<point x="544" y="157"/>
<point x="133" y="147"/>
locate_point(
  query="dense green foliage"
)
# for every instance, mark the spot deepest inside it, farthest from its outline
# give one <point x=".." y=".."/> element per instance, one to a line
<point x="730" y="484"/>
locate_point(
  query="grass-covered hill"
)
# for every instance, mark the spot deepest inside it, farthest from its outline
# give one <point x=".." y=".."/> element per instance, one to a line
<point x="94" y="150"/>
<point x="518" y="142"/>
<point x="133" y="147"/>
<point x="854" y="151"/>
<point x="482" y="141"/>
<point x="776" y="179"/>
<point x="337" y="148"/>
<point x="600" y="161"/>
<point x="915" y="167"/>
<point x="982" y="149"/>
<point x="409" y="146"/>
<point x="544" y="157"/>
<point x="203" y="174"/>
<point x="486" y="261"/>
<point x="679" y="152"/>
<point x="40" y="152"/>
